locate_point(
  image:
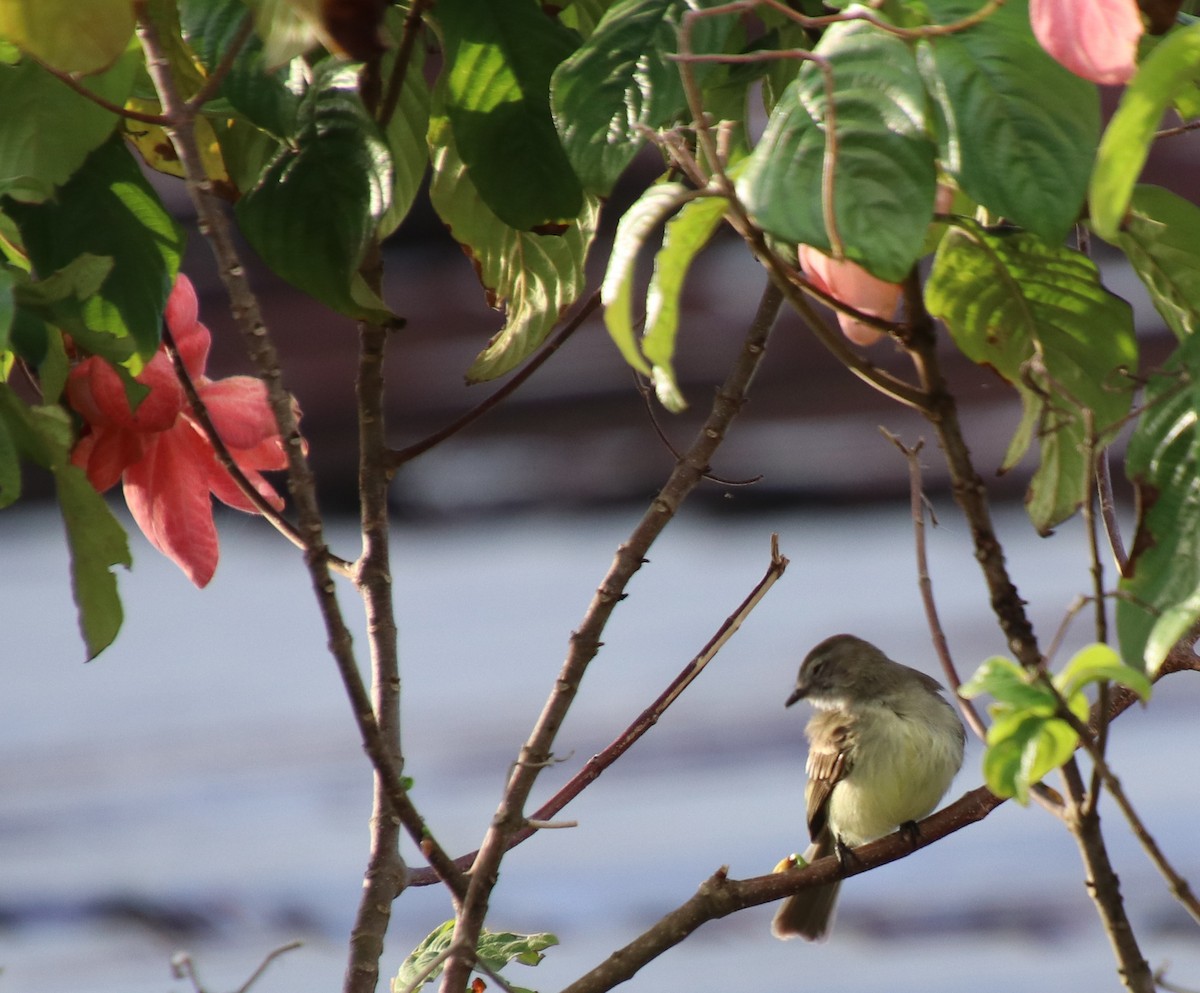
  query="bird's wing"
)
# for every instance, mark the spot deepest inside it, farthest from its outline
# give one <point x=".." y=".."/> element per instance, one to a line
<point x="831" y="738"/>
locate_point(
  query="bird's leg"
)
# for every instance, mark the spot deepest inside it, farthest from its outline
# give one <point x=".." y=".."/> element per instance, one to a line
<point x="845" y="854"/>
<point x="911" y="831"/>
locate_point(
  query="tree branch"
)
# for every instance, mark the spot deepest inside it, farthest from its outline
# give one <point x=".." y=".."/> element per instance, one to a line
<point x="386" y="873"/>
<point x="585" y="642"/>
<point x="925" y="583"/>
<point x="645" y="721"/>
<point x="215" y="228"/>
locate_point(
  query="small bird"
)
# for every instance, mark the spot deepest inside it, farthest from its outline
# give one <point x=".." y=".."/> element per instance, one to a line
<point x="884" y="746"/>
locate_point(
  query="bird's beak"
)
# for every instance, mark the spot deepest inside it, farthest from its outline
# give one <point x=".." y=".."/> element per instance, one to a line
<point x="798" y="693"/>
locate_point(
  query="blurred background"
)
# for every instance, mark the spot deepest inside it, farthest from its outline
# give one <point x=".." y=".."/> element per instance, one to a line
<point x="200" y="786"/>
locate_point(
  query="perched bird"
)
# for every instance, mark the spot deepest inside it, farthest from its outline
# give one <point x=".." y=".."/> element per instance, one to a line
<point x="883" y="748"/>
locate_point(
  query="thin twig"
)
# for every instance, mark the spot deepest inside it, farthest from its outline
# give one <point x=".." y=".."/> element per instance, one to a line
<point x="229" y="463"/>
<point x="648" y="718"/>
<point x="585" y="642"/>
<point x="395" y="459"/>
<point x="209" y="87"/>
<point x="408" y="39"/>
<point x="76" y="84"/>
<point x="386" y="874"/>
<point x="216" y="230"/>
<point x="925" y="583"/>
<point x="270" y="957"/>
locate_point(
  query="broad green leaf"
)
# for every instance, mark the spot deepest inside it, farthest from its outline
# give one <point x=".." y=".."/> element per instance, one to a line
<point x="582" y="16"/>
<point x="261" y="94"/>
<point x="1040" y="317"/>
<point x="686" y="234"/>
<point x="1173" y="65"/>
<point x="109" y="209"/>
<point x="1012" y="687"/>
<point x="533" y="277"/>
<point x="1161" y="600"/>
<point x="1023" y="751"/>
<point x="616" y="292"/>
<point x="622" y="80"/>
<point x="316" y="208"/>
<point x="883" y="174"/>
<point x="43" y="435"/>
<point x="499" y="58"/>
<point x="1097" y="663"/>
<point x="1017" y="131"/>
<point x="69" y="35"/>
<point x="406" y="138"/>
<point x="1161" y="237"/>
<point x="47" y="129"/>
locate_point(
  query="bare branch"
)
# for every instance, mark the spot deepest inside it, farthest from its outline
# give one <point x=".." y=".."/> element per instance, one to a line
<point x="925" y="583"/>
<point x="585" y="642"/>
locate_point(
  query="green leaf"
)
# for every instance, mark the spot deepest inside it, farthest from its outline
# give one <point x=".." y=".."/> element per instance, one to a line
<point x="422" y="959"/>
<point x="1023" y="751"/>
<point x="1161" y="237"/>
<point x="883" y="174"/>
<point x="622" y="80"/>
<point x="685" y="235"/>
<point x="252" y="88"/>
<point x="97" y="542"/>
<point x="109" y="209"/>
<point x="1017" y="131"/>
<point x="47" y="129"/>
<point x="1173" y="65"/>
<point x="1040" y="317"/>
<point x="499" y="58"/>
<point x="534" y="277"/>
<point x="1013" y="688"/>
<point x="616" y="292"/>
<point x="496" y="949"/>
<point x="316" y="207"/>
<point x="69" y="35"/>
<point x="1161" y="600"/>
<point x="1098" y="663"/>
<point x="406" y="139"/>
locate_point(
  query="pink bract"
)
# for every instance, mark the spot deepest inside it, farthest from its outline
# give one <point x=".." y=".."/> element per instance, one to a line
<point x="160" y="453"/>
<point x="852" y="285"/>
<point x="1095" y="39"/>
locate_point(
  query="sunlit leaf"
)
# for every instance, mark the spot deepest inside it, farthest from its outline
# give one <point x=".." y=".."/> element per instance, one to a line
<point x="1161" y="600"/>
<point x="1017" y="131"/>
<point x="883" y="173"/>
<point x="1040" y="317"/>
<point x="622" y="80"/>
<point x="499" y="58"/>
<point x="1098" y="663"/>
<point x="406" y="138"/>
<point x="70" y="35"/>
<point x="1170" y="68"/>
<point x="108" y="209"/>
<point x="47" y="129"/>
<point x="685" y="235"/>
<point x="533" y="277"/>
<point x="1161" y="236"/>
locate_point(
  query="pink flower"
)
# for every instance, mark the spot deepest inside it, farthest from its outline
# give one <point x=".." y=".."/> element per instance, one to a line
<point x="1095" y="39"/>
<point x="161" y="453"/>
<point x="853" y="285"/>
